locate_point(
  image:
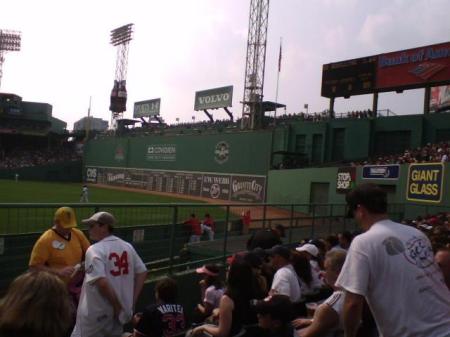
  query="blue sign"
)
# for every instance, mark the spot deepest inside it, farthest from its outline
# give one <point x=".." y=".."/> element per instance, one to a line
<point x="425" y="182"/>
<point x="381" y="172"/>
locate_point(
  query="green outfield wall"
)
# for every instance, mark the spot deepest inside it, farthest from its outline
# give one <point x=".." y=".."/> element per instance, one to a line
<point x="251" y="152"/>
<point x="422" y="188"/>
<point x="234" y="165"/>
<point x="239" y="152"/>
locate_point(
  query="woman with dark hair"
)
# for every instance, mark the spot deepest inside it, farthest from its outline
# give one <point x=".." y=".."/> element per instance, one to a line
<point x="234" y="307"/>
<point x="303" y="269"/>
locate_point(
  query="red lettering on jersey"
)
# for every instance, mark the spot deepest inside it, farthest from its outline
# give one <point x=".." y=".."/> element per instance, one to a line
<point x="174" y="323"/>
<point x="120" y="263"/>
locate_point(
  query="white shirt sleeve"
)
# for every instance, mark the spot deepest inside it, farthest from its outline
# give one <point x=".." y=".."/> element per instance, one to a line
<point x="280" y="283"/>
<point x="95" y="266"/>
<point x="355" y="274"/>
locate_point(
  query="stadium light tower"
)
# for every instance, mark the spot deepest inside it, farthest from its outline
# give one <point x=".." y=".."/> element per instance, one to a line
<point x="120" y="38"/>
<point x="9" y="41"/>
<point x="255" y="64"/>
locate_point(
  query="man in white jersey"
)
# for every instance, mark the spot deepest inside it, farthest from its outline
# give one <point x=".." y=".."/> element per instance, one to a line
<point x="115" y="275"/>
<point x="392" y="266"/>
<point x="84" y="196"/>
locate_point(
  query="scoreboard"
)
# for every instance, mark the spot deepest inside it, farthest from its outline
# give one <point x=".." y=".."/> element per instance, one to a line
<point x="348" y="78"/>
<point x="421" y="67"/>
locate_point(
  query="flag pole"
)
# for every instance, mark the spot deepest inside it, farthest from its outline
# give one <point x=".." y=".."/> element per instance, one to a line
<point x="278" y="80"/>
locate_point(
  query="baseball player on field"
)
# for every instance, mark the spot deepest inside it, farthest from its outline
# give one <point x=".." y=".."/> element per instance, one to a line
<point x="84" y="196"/>
<point x="115" y="275"/>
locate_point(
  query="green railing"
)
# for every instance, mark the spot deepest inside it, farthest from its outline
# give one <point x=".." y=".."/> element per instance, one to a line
<point x="159" y="235"/>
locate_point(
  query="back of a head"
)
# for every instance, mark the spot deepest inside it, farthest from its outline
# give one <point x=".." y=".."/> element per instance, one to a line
<point x="371" y="196"/>
<point x="279" y="307"/>
<point x="167" y="290"/>
<point x="240" y="279"/>
<point x="336" y="259"/>
<point x="280" y="229"/>
<point x="36" y="304"/>
<point x="302" y="266"/>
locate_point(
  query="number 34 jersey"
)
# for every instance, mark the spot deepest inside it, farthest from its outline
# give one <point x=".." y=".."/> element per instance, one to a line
<point x="117" y="261"/>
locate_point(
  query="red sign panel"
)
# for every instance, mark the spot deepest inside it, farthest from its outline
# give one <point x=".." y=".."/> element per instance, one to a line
<point x="440" y="98"/>
<point x="414" y="68"/>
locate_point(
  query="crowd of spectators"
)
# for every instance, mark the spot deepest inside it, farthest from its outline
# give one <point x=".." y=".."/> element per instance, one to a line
<point x="26" y="158"/>
<point x="199" y="126"/>
<point x="435" y="226"/>
<point x="430" y="153"/>
<point x="272" y="289"/>
<point x="322" y="116"/>
<point x="184" y="127"/>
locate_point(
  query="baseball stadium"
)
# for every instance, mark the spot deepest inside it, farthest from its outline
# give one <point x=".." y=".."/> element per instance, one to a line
<point x="254" y="173"/>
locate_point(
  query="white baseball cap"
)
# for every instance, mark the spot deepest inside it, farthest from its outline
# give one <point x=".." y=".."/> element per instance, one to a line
<point x="309" y="248"/>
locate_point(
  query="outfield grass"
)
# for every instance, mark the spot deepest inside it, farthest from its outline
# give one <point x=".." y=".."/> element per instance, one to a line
<point x="45" y="192"/>
<point x="35" y="218"/>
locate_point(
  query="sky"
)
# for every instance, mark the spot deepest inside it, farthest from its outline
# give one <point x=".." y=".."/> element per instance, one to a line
<point x="180" y="47"/>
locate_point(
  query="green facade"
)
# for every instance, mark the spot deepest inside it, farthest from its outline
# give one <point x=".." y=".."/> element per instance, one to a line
<point x="240" y="152"/>
<point x="333" y="141"/>
<point x="295" y="186"/>
<point x="348" y="139"/>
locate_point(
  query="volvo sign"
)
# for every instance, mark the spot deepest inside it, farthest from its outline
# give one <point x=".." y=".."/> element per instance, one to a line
<point x="214" y="98"/>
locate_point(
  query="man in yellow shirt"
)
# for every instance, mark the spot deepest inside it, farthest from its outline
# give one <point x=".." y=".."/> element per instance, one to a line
<point x="61" y="248"/>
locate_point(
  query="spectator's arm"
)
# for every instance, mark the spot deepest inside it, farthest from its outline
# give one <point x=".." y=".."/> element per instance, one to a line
<point x="108" y="292"/>
<point x="352" y="312"/>
<point x="225" y="320"/>
<point x="324" y="320"/>
<point x="139" y="280"/>
<point x="206" y="308"/>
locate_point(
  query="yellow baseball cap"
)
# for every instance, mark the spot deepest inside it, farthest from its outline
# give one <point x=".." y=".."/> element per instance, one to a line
<point x="66" y="217"/>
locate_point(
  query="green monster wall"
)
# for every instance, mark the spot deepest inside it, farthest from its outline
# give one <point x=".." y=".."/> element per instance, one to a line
<point x="240" y="152"/>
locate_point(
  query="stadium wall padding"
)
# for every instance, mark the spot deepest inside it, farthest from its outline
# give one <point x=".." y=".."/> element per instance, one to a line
<point x="66" y="172"/>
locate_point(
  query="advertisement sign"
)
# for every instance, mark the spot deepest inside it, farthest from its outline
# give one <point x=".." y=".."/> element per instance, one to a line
<point x="413" y="68"/>
<point x="214" y="98"/>
<point x="347" y="78"/>
<point x="381" y="172"/>
<point x="440" y="98"/>
<point x="215" y="186"/>
<point x="425" y="182"/>
<point x="112" y="177"/>
<point x="147" y="108"/>
<point x="91" y="175"/>
<point x="247" y="188"/>
<point x="346" y="177"/>
<point x="162" y="152"/>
